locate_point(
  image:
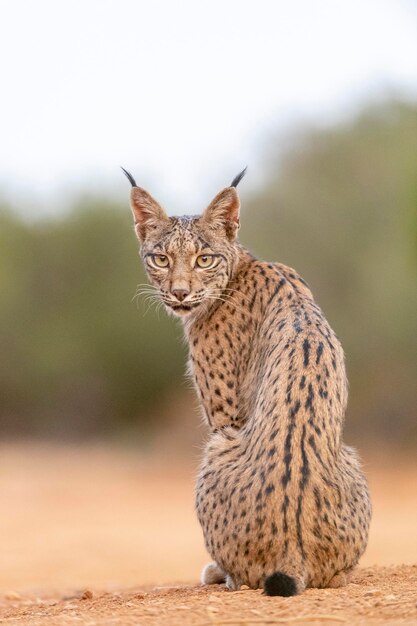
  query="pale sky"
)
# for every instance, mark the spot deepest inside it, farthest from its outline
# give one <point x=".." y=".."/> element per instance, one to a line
<point x="182" y="93"/>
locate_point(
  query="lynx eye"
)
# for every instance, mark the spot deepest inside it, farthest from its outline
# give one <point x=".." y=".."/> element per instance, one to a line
<point x="160" y="260"/>
<point x="205" y="261"/>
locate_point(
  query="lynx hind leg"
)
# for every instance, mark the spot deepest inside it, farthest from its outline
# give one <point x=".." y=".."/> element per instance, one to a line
<point x="212" y="574"/>
<point x="341" y="579"/>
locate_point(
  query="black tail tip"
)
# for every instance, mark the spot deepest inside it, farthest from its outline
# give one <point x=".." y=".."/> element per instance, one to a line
<point x="279" y="584"/>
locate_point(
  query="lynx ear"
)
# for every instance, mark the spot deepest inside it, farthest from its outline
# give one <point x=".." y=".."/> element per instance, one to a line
<point x="223" y="212"/>
<point x="147" y="213"/>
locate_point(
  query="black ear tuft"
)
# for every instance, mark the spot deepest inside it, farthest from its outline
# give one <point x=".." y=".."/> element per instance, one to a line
<point x="129" y="177"/>
<point x="238" y="178"/>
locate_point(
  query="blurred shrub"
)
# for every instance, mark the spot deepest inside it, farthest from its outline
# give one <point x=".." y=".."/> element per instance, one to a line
<point x="79" y="358"/>
<point x="78" y="355"/>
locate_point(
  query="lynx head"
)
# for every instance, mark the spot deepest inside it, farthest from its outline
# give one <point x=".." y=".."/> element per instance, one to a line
<point x="191" y="259"/>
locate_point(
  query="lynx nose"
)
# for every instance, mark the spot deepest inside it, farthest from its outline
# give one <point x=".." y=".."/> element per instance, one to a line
<point x="180" y="294"/>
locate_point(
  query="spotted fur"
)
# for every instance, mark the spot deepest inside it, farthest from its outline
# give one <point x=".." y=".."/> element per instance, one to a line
<point x="282" y="501"/>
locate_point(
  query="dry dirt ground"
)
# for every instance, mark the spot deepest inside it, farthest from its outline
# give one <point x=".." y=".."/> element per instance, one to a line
<point x="376" y="595"/>
<point x="97" y="536"/>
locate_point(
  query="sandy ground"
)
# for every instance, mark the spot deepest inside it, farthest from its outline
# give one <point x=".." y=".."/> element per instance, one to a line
<point x="376" y="595"/>
<point x="122" y="529"/>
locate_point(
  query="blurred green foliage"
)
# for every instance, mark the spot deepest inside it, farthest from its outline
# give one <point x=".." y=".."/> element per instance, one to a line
<point x="79" y="357"/>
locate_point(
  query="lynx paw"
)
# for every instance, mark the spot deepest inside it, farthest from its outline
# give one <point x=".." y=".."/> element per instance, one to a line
<point x="340" y="579"/>
<point x="212" y="574"/>
<point x="231" y="584"/>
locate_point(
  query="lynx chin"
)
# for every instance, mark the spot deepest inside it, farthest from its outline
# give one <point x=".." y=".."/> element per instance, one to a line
<point x="282" y="501"/>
